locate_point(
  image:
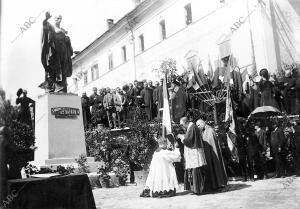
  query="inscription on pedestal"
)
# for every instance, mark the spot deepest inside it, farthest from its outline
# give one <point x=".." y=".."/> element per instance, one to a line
<point x="65" y="112"/>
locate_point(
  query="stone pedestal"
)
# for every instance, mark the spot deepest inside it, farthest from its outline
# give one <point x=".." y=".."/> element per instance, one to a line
<point x="59" y="130"/>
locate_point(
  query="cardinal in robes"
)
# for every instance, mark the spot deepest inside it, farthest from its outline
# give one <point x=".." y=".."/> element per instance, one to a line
<point x="194" y="156"/>
<point x="215" y="177"/>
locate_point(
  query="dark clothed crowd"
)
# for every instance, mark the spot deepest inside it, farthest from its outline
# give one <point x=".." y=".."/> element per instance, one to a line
<point x="113" y="107"/>
<point x="280" y="92"/>
<point x="265" y="148"/>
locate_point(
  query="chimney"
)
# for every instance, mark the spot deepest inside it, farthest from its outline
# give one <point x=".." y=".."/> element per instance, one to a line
<point x="110" y="23"/>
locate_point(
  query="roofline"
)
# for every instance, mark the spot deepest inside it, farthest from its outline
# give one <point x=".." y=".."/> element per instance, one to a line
<point x="115" y="27"/>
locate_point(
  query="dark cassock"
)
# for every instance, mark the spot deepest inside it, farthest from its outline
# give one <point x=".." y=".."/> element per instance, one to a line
<point x="194" y="159"/>
<point x="154" y="97"/>
<point x="146" y="95"/>
<point x="159" y="98"/>
<point x="178" y="103"/>
<point x="25" y="115"/>
<point x="216" y="176"/>
<point x="86" y="114"/>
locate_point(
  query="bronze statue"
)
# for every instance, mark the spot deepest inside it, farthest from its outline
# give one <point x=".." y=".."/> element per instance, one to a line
<point x="56" y="55"/>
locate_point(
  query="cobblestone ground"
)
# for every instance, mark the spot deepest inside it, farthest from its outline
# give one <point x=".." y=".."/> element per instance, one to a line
<point x="282" y="193"/>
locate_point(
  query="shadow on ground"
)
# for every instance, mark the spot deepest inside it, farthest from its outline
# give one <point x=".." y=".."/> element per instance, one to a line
<point x="228" y="188"/>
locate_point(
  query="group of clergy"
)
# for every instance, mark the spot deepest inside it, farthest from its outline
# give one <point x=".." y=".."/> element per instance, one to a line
<point x="113" y="107"/>
<point x="203" y="161"/>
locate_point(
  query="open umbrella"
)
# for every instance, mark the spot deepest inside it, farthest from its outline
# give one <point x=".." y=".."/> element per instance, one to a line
<point x="264" y="111"/>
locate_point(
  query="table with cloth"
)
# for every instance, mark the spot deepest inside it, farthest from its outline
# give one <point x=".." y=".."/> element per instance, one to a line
<point x="71" y="191"/>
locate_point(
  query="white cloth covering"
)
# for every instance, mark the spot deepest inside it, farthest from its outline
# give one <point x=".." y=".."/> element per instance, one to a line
<point x="162" y="174"/>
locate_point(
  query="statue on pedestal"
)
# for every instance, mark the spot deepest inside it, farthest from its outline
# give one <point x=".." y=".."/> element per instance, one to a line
<point x="56" y="56"/>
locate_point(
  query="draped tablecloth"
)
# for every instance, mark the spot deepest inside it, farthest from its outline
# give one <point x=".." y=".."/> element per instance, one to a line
<point x="71" y="191"/>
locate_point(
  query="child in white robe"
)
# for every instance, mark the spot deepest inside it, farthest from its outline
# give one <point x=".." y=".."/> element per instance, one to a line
<point x="162" y="179"/>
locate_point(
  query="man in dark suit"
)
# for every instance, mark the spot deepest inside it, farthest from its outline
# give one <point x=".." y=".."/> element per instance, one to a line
<point x="262" y="148"/>
<point x="159" y="99"/>
<point x="136" y="91"/>
<point x="278" y="146"/>
<point x="86" y="114"/>
<point x="154" y="96"/>
<point x="146" y="95"/>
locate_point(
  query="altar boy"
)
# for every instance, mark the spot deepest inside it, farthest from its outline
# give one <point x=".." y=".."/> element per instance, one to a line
<point x="162" y="179"/>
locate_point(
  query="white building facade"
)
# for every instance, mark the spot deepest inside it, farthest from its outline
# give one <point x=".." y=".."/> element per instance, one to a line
<point x="258" y="33"/>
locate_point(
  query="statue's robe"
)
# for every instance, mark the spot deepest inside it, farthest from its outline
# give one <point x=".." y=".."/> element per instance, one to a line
<point x="56" y="54"/>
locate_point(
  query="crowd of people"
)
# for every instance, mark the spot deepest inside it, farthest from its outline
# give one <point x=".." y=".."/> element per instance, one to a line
<point x="113" y="107"/>
<point x="270" y="147"/>
<point x="270" y="90"/>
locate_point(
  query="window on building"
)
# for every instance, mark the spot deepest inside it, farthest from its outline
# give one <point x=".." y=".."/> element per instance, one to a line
<point x="95" y="72"/>
<point x="110" y="62"/>
<point x="85" y="78"/>
<point x="188" y="14"/>
<point x="141" y="42"/>
<point x="162" y="26"/>
<point x="124" y="54"/>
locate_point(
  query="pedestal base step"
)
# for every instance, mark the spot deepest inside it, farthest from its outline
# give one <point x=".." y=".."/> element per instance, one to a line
<point x="66" y="160"/>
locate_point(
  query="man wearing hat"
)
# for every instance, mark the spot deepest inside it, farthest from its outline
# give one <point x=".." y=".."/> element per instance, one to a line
<point x="25" y="104"/>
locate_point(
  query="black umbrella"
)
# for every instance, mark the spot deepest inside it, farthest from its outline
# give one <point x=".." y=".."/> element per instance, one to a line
<point x="264" y="111"/>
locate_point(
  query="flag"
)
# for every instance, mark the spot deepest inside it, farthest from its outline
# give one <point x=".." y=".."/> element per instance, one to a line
<point x="199" y="75"/>
<point x="166" y="121"/>
<point x="237" y="81"/>
<point x="231" y="118"/>
<point x="210" y="71"/>
<point x="227" y="75"/>
<point x="215" y="80"/>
